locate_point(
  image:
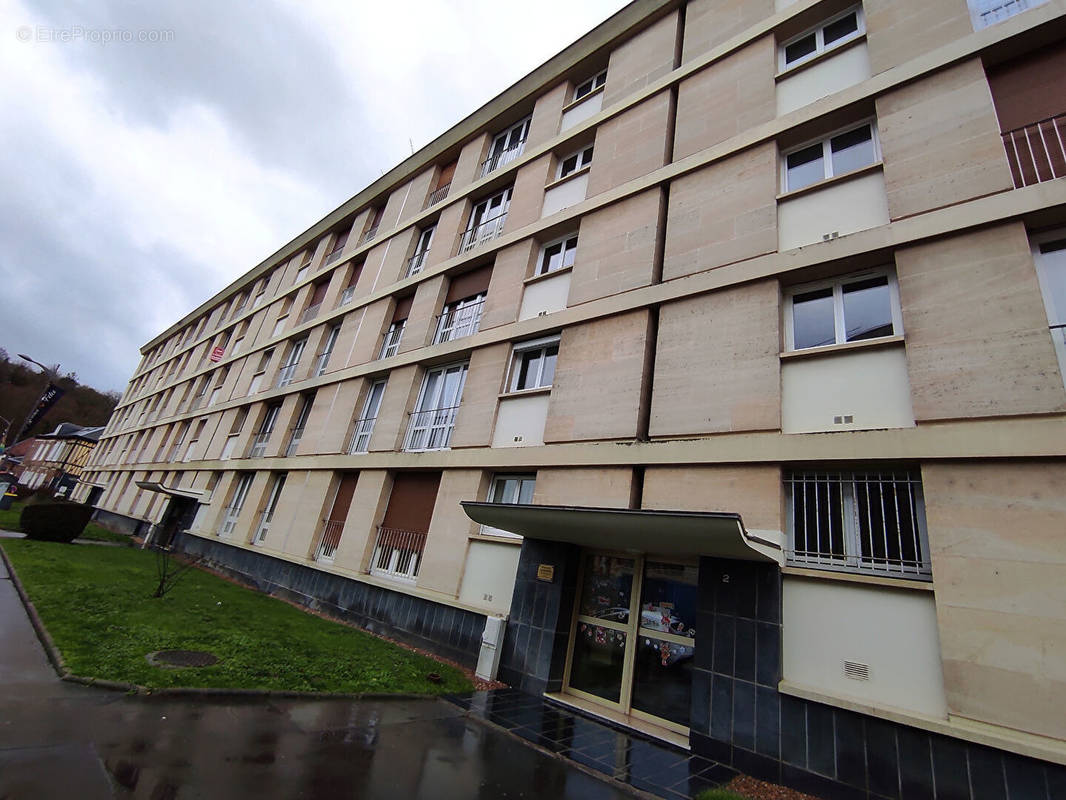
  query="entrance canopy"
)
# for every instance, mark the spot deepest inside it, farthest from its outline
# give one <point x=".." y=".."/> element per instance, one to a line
<point x="705" y="533"/>
<point x="156" y="486"/>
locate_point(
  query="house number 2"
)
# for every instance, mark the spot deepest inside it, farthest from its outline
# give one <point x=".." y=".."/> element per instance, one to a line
<point x="725" y="578"/>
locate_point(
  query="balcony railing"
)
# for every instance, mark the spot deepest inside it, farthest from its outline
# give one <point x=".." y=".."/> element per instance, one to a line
<point x="479" y="234"/>
<point x="416" y="262"/>
<point x="310" y="313"/>
<point x="1036" y="152"/>
<point x="294" y="442"/>
<point x="397" y="553"/>
<point x="321" y="362"/>
<point x="259" y="444"/>
<point x="391" y="342"/>
<point x="263" y="528"/>
<point x="437" y="195"/>
<point x="346" y="296"/>
<point x="499" y="159"/>
<point x="286" y="374"/>
<point x="430" y="429"/>
<point x="361" y="432"/>
<point x="229" y="522"/>
<point x="369" y="235"/>
<point x="459" y="322"/>
<point x="333" y="256"/>
<point x="331" y="538"/>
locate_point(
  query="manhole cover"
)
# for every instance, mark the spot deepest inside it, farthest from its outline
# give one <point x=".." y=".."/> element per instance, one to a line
<point x="182" y="658"/>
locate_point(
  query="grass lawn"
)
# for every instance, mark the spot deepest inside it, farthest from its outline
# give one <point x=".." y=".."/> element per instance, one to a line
<point x="718" y="794"/>
<point x="9" y="521"/>
<point x="97" y="604"/>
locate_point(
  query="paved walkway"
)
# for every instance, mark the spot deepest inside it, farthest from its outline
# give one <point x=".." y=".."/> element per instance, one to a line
<point x="63" y="740"/>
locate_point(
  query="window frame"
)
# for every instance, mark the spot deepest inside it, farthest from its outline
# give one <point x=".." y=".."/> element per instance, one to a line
<point x="519" y="350"/>
<point x="580" y="162"/>
<point x="784" y="66"/>
<point x="595" y="83"/>
<point x="561" y="242"/>
<point x="503" y="477"/>
<point x="827" y="155"/>
<point x="839" y="322"/>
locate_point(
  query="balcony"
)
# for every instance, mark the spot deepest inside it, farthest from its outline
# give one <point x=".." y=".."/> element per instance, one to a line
<point x="430" y="429"/>
<point x="369" y="235"/>
<point x="416" y="262"/>
<point x="501" y="158"/>
<point x="1036" y="152"/>
<point x="331" y="539"/>
<point x="310" y="313"/>
<point x="391" y="341"/>
<point x="360" y="438"/>
<point x="397" y="554"/>
<point x="459" y="322"/>
<point x="437" y="195"/>
<point x="479" y="234"/>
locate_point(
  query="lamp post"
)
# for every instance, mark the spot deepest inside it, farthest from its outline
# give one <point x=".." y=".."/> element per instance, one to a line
<point x="48" y="374"/>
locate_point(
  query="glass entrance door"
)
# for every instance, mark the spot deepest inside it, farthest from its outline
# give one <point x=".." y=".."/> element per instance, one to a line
<point x="632" y="644"/>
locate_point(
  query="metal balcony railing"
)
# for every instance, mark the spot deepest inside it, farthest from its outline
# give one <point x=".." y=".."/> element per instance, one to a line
<point x="369" y="235"/>
<point x="459" y="322"/>
<point x="259" y="444"/>
<point x="497" y="160"/>
<point x="331" y="538"/>
<point x="321" y="362"/>
<point x="397" y="553"/>
<point x="286" y="374"/>
<point x="391" y="342"/>
<point x="416" y="262"/>
<point x="430" y="429"/>
<point x="479" y="234"/>
<point x="437" y="195"/>
<point x="1036" y="152"/>
<point x="333" y="256"/>
<point x="310" y="313"/>
<point x="346" y="296"/>
<point x="263" y="528"/>
<point x="360" y="438"/>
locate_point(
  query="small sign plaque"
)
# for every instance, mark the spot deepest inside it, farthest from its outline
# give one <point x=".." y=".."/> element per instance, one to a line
<point x="546" y="572"/>
<point x="217" y="353"/>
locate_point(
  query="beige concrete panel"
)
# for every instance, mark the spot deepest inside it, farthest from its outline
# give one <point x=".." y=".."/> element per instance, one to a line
<point x="331" y="418"/>
<point x="996" y="534"/>
<point x="298" y="519"/>
<point x="449" y="531"/>
<point x="709" y="23"/>
<point x="520" y="421"/>
<point x="589" y="107"/>
<point x="529" y="192"/>
<point x="248" y="517"/>
<point x="940" y="140"/>
<point x="616" y="248"/>
<point x="451" y="223"/>
<point x="372" y="274"/>
<point x="511" y="267"/>
<point x="830" y="75"/>
<point x="545" y="296"/>
<point x="724" y="213"/>
<point x="641" y="60"/>
<point x="279" y="440"/>
<point x="596" y="394"/>
<point x="602" y="488"/>
<point x="470" y="158"/>
<point x="753" y="492"/>
<point x="727" y="98"/>
<point x="832" y="210"/>
<point x="488" y="575"/>
<point x="394" y="260"/>
<point x="477" y="410"/>
<point x="898" y="32"/>
<point x="342" y="349"/>
<point x="716" y="366"/>
<point x="400" y="395"/>
<point x="428" y="302"/>
<point x="977" y="339"/>
<point x="394" y="206"/>
<point x="631" y="144"/>
<point x="547" y="113"/>
<point x="369" y="501"/>
<point x="563" y="195"/>
<point x="420" y="189"/>
<point x="367" y="334"/>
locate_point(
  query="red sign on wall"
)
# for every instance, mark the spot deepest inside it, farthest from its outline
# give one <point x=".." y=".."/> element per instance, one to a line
<point x="217" y="353"/>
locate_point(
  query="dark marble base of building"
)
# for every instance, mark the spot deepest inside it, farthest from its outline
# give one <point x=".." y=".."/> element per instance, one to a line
<point x="120" y="522"/>
<point x="450" y="632"/>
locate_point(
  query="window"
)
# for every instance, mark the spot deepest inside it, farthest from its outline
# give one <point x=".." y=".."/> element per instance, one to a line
<point x="301" y="273"/>
<point x="262" y="436"/>
<point x="391" y="342"/>
<point x="363" y="427"/>
<point x="233" y="510"/>
<point x="235" y="428"/>
<point x="533" y="364"/>
<point x="433" y="419"/>
<point x="557" y="255"/>
<point x="285" y="376"/>
<point x="852" y="309"/>
<point x="486" y="220"/>
<point x="300" y="424"/>
<point x="831" y="34"/>
<point x="834" y="155"/>
<point x="257" y="377"/>
<point x="989" y="12"/>
<point x="591" y="85"/>
<point x="339" y="241"/>
<point x="327" y="350"/>
<point x="418" y="260"/>
<point x="511" y="489"/>
<point x="506" y="146"/>
<point x="263" y="527"/>
<point x="575" y="161"/>
<point x="372" y="228"/>
<point x="865" y="520"/>
<point x="349" y="289"/>
<point x="460" y="318"/>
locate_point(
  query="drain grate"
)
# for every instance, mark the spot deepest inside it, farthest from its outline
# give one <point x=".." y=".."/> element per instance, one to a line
<point x="182" y="658"/>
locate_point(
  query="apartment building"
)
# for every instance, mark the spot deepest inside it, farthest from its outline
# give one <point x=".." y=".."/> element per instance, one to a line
<point x="722" y="356"/>
<point x="58" y="459"/>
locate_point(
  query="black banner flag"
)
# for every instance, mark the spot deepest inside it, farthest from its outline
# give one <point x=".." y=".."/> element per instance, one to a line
<point x="49" y="398"/>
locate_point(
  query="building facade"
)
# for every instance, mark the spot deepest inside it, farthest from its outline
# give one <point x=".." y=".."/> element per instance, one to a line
<point x="722" y="355"/>
<point x="56" y="460"/>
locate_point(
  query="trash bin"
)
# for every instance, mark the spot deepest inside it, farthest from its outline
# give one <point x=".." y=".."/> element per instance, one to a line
<point x="6" y="500"/>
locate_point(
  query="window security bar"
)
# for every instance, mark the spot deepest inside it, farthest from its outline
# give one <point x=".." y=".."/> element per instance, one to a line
<point x="397" y="553"/>
<point x="1036" y="152"/>
<point x="331" y="539"/>
<point x="361" y="432"/>
<point x="310" y="313"/>
<point x="479" y="234"/>
<point x="501" y="158"/>
<point x="459" y="322"/>
<point x="391" y="342"/>
<point x="430" y="429"/>
<point x="416" y="262"/>
<point x="437" y="196"/>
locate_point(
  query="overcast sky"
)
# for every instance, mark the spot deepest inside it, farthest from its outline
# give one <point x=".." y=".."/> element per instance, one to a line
<point x="140" y="177"/>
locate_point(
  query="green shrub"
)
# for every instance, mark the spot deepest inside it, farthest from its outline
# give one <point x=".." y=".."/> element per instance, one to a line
<point x="54" y="521"/>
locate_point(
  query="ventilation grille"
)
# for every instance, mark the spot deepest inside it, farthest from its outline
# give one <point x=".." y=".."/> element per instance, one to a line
<point x="856" y="671"/>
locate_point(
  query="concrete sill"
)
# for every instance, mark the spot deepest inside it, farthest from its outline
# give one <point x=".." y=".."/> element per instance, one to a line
<point x="877" y="166"/>
<point x="524" y="392"/>
<point x="830" y="349"/>
<point x="857" y="577"/>
<point x="575" y="174"/>
<point x="825" y="55"/>
<point x="545" y="275"/>
<point x="583" y="98"/>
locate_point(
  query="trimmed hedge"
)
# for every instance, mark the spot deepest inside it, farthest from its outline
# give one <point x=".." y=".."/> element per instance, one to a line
<point x="54" y="521"/>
